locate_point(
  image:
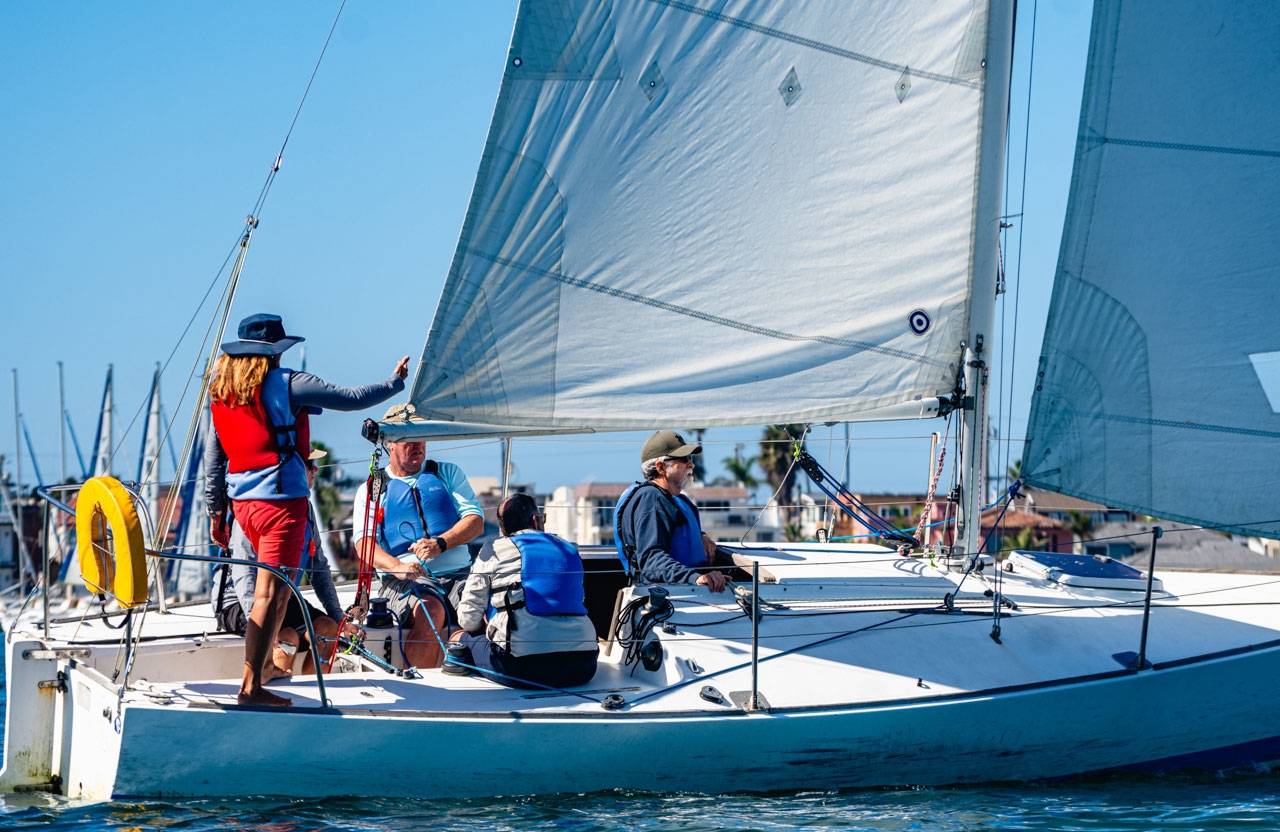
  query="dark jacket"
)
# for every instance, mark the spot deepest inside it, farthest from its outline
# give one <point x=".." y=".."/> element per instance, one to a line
<point x="647" y="522"/>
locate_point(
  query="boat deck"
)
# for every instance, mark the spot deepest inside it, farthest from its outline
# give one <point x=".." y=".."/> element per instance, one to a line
<point x="870" y="624"/>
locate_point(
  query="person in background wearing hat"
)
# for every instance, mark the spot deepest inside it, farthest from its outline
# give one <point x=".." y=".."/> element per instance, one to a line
<point x="232" y="598"/>
<point x="260" y="418"/>
<point x="656" y="528"/>
<point x="426" y="515"/>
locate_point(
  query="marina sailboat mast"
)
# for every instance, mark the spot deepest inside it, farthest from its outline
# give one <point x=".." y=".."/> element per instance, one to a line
<point x="103" y="448"/>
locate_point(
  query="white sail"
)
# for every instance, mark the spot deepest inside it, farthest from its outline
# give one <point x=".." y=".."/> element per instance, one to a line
<point x="192" y="537"/>
<point x="103" y="446"/>
<point x="149" y="461"/>
<point x="1157" y="390"/>
<point x="717" y="213"/>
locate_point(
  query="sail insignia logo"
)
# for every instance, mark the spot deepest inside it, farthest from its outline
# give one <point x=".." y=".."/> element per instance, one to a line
<point x="1267" y="366"/>
<point x="919" y="322"/>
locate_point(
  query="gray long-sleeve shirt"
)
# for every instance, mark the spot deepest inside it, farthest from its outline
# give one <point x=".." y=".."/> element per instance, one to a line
<point x="305" y="390"/>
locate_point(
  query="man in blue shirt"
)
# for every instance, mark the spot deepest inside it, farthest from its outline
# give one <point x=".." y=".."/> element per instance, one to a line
<point x="425" y="517"/>
<point x="656" y="527"/>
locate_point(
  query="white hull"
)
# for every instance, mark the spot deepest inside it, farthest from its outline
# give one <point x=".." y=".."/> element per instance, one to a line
<point x="925" y="698"/>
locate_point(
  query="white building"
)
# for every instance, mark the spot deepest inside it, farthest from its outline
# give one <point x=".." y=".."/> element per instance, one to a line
<point x="584" y="513"/>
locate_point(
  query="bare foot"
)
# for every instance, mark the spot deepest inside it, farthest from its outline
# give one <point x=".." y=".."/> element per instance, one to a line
<point x="262" y="696"/>
<point x="273" y="671"/>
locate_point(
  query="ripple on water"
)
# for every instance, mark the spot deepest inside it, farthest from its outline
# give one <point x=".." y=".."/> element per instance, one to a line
<point x="1115" y="804"/>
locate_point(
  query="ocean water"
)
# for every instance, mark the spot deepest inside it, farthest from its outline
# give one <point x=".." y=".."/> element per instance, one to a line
<point x="1178" y="803"/>
<point x="1113" y="804"/>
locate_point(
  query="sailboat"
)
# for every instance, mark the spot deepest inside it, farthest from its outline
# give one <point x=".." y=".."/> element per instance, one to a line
<point x="789" y="212"/>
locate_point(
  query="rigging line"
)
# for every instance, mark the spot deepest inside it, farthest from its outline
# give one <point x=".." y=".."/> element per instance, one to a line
<point x="220" y="321"/>
<point x="216" y="278"/>
<point x="1022" y="206"/>
<point x="257" y="207"/>
<point x="828" y="510"/>
<point x="275" y="167"/>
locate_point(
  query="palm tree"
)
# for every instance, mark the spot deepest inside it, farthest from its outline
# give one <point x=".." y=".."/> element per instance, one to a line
<point x="1015" y="470"/>
<point x="739" y="468"/>
<point x="1081" y="524"/>
<point x="775" y="460"/>
<point x="1026" y="538"/>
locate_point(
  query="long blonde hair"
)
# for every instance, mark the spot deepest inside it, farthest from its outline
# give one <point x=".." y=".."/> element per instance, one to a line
<point x="236" y="378"/>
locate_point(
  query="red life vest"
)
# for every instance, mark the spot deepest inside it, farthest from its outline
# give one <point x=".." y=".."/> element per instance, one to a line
<point x="248" y="435"/>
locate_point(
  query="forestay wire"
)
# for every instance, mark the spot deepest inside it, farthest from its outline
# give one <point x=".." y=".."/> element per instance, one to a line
<point x="218" y="325"/>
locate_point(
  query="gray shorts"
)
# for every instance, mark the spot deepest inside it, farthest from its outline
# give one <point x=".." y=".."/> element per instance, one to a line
<point x="402" y="594"/>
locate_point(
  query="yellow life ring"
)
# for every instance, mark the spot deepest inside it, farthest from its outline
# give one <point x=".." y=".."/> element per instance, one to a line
<point x="104" y="504"/>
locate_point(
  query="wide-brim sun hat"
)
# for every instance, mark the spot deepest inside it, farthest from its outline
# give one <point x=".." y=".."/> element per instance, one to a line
<point x="403" y="412"/>
<point x="261" y="335"/>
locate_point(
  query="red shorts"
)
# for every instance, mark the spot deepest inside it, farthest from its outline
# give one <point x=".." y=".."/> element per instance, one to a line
<point x="276" y="528"/>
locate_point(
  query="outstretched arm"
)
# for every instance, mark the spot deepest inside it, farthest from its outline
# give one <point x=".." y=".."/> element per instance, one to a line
<point x="306" y="390"/>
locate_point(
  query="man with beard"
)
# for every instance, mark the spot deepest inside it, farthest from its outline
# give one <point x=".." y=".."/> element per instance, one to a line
<point x="656" y="527"/>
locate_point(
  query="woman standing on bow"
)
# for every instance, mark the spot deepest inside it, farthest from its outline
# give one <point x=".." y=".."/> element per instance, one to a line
<point x="257" y="448"/>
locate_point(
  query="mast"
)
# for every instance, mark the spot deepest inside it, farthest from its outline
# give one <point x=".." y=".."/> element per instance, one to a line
<point x="17" y="446"/>
<point x="149" y="462"/>
<point x="15" y="504"/>
<point x="985" y="268"/>
<point x="102" y="450"/>
<point x="62" y="428"/>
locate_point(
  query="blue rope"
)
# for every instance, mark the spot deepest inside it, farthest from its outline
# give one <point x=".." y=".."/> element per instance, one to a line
<point x="413" y="589"/>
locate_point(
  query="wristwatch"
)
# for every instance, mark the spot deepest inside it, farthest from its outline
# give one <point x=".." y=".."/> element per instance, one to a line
<point x="442" y="543"/>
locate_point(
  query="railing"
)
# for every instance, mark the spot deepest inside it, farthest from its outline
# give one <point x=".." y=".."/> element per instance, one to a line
<point x="44" y="493"/>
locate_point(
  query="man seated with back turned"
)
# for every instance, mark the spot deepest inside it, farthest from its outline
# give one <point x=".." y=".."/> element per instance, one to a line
<point x="529" y="584"/>
<point x="428" y="514"/>
<point x="657" y="529"/>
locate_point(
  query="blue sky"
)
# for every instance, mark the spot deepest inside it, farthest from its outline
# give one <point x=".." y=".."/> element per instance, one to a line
<point x="137" y="136"/>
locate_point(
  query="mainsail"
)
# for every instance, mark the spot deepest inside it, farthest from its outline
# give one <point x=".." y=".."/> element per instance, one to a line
<point x="1158" y="388"/>
<point x="718" y="213"/>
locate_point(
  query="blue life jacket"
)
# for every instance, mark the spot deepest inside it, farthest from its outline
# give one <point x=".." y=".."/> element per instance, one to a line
<point x="686" y="540"/>
<point x="685" y="545"/>
<point x="551" y="573"/>
<point x="287" y="479"/>
<point x="404" y="508"/>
